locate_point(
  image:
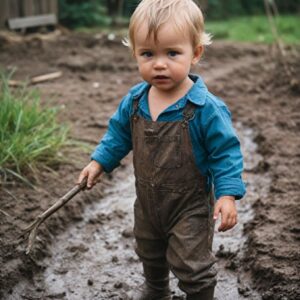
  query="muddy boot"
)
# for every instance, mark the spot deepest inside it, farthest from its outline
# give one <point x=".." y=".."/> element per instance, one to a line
<point x="207" y="294"/>
<point x="155" y="287"/>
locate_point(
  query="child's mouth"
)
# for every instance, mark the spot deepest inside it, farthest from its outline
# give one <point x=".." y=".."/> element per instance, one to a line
<point x="161" y="77"/>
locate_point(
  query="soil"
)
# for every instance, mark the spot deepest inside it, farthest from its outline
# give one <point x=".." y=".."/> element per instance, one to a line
<point x="97" y="72"/>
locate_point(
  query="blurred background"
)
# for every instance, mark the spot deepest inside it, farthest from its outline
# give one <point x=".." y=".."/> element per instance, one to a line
<point x="240" y="20"/>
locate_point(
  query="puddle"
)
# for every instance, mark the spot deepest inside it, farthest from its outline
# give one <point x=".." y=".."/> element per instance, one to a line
<point x="95" y="258"/>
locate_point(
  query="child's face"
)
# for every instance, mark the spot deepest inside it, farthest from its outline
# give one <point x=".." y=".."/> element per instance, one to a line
<point x="165" y="63"/>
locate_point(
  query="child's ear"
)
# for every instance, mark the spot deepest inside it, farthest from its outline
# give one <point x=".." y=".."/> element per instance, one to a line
<point x="198" y="51"/>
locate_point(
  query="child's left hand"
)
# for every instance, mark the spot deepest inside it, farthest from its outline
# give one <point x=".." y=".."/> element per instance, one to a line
<point x="226" y="205"/>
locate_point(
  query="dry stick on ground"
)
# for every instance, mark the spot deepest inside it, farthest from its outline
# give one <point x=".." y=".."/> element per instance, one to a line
<point x="4" y="212"/>
<point x="36" y="79"/>
<point x="42" y="217"/>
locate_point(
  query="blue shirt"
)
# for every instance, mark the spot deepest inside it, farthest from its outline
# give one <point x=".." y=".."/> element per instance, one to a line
<point x="215" y="144"/>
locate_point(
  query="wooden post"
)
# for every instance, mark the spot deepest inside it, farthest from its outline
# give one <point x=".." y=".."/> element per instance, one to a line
<point x="43" y="7"/>
<point x="14" y="9"/>
<point x="53" y="7"/>
<point x="36" y="7"/>
<point x="4" y="12"/>
<point x="28" y="8"/>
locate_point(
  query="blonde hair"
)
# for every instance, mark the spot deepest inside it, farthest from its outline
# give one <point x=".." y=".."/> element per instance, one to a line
<point x="183" y="13"/>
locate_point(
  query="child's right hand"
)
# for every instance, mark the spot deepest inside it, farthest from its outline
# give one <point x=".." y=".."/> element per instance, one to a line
<point x="93" y="172"/>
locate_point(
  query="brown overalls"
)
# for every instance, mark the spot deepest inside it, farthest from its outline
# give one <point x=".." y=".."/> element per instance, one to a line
<point x="173" y="212"/>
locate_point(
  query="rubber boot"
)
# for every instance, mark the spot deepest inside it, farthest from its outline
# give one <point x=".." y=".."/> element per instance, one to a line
<point x="207" y="294"/>
<point x="156" y="285"/>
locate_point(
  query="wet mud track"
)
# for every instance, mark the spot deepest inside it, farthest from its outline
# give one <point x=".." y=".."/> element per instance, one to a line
<point x="86" y="250"/>
<point x="95" y="259"/>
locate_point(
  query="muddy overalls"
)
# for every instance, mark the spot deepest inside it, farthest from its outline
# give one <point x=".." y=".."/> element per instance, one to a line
<point x="173" y="212"/>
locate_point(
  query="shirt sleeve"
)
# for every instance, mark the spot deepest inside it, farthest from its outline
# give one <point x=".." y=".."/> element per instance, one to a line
<point x="116" y="142"/>
<point x="225" y="160"/>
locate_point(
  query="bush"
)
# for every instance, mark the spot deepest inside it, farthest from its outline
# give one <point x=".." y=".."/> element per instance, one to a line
<point x="82" y="13"/>
<point x="29" y="134"/>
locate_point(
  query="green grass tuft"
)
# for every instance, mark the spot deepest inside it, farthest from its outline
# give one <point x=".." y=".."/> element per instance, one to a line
<point x="30" y="135"/>
<point x="255" y="29"/>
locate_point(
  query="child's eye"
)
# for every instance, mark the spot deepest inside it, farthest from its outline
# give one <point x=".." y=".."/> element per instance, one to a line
<point x="147" y="54"/>
<point x="172" y="53"/>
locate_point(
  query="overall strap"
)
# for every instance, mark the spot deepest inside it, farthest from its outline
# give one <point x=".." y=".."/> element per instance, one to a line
<point x="188" y="113"/>
<point x="136" y="100"/>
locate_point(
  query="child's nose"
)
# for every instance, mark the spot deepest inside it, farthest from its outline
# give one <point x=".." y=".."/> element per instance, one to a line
<point x="160" y="63"/>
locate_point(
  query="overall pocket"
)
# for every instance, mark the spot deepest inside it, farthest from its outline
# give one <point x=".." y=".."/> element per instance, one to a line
<point x="168" y="153"/>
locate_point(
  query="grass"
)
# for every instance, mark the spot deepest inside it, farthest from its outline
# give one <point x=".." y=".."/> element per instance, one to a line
<point x="242" y="29"/>
<point x="30" y="135"/>
<point x="255" y="29"/>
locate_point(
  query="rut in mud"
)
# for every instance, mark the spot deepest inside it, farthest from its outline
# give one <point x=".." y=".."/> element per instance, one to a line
<point x="96" y="74"/>
<point x="94" y="258"/>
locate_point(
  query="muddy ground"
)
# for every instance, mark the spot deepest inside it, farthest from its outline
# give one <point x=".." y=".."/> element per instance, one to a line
<point x="97" y="72"/>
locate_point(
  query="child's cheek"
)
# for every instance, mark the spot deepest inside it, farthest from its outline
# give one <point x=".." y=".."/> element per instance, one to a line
<point x="144" y="70"/>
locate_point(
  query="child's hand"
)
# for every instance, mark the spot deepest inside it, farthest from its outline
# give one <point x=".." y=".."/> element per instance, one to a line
<point x="226" y="205"/>
<point x="93" y="172"/>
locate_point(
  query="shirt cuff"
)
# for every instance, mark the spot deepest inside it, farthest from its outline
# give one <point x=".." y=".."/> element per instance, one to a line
<point x="108" y="164"/>
<point x="230" y="187"/>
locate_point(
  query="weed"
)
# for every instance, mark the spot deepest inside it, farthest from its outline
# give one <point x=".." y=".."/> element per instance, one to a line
<point x="30" y="135"/>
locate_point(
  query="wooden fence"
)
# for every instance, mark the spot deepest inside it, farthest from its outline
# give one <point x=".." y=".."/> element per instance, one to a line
<point x="10" y="9"/>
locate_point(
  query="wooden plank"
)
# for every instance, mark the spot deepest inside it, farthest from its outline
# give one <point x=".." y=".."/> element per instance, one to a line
<point x="33" y="21"/>
<point x="53" y="7"/>
<point x="14" y="9"/>
<point x="37" y="8"/>
<point x="44" y="7"/>
<point x="28" y="8"/>
<point x="4" y="12"/>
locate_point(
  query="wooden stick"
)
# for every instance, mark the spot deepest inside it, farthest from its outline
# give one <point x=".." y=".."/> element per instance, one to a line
<point x="32" y="228"/>
<point x="45" y="77"/>
<point x="4" y="212"/>
<point x="36" y="79"/>
<point x="15" y="83"/>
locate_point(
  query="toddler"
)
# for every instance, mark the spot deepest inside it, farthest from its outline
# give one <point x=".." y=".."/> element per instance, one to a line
<point x="186" y="155"/>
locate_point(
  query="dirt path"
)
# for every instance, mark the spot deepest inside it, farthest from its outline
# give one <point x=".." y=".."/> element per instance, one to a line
<point x="97" y="73"/>
<point x="95" y="259"/>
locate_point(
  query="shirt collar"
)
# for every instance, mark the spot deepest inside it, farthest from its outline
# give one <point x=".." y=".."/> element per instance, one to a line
<point x="196" y="94"/>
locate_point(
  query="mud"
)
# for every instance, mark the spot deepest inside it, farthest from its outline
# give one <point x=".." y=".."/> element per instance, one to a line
<point x="95" y="259"/>
<point x="85" y="251"/>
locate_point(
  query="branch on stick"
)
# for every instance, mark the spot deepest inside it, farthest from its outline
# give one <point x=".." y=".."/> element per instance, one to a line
<point x="32" y="228"/>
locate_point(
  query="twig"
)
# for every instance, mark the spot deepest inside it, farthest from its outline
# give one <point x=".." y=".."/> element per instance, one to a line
<point x="274" y="8"/>
<point x="45" y="77"/>
<point x="271" y="10"/>
<point x="36" y="79"/>
<point x="4" y="212"/>
<point x="32" y="228"/>
<point x="10" y="194"/>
